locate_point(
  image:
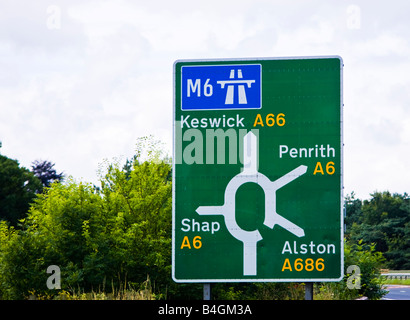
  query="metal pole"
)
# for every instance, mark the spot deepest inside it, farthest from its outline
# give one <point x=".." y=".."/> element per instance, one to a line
<point x="309" y="291"/>
<point x="207" y="291"/>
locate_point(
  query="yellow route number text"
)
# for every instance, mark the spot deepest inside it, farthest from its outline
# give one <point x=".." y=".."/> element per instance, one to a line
<point x="304" y="264"/>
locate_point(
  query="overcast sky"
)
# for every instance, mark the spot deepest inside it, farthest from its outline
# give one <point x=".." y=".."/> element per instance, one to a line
<point x="80" y="81"/>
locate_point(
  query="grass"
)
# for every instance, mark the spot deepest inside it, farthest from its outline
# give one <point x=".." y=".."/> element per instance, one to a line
<point x="129" y="294"/>
<point x="123" y="293"/>
<point x="405" y="282"/>
<point x="293" y="291"/>
<point x="396" y="281"/>
<point x="144" y="292"/>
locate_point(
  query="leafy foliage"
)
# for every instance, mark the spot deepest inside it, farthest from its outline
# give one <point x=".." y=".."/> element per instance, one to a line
<point x="384" y="221"/>
<point x="370" y="262"/>
<point x="18" y="187"/>
<point x="118" y="233"/>
<point x="44" y="170"/>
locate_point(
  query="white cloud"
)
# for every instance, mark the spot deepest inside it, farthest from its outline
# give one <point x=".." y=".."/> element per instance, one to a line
<point x="86" y="90"/>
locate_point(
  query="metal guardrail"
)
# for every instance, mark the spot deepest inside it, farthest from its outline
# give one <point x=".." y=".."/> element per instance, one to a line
<point x="396" y="275"/>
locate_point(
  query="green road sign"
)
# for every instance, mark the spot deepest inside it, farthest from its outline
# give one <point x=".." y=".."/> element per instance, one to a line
<point x="257" y="170"/>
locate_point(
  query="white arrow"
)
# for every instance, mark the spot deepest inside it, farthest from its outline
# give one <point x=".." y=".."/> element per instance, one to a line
<point x="227" y="210"/>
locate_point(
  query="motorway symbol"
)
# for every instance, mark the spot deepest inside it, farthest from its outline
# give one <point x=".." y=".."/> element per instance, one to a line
<point x="241" y="87"/>
<point x="213" y="87"/>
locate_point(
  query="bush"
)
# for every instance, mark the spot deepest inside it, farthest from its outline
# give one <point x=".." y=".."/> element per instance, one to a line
<point x="371" y="285"/>
<point x="99" y="237"/>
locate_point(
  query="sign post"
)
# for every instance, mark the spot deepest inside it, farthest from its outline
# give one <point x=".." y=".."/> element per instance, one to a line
<point x="258" y="170"/>
<point x="309" y="291"/>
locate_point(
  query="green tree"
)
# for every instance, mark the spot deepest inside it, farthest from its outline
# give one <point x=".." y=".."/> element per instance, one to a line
<point x="383" y="206"/>
<point x="140" y="200"/>
<point x="100" y="238"/>
<point x="45" y="172"/>
<point x="385" y="222"/>
<point x="18" y="187"/>
<point x="51" y="235"/>
<point x="353" y="211"/>
<point x="369" y="262"/>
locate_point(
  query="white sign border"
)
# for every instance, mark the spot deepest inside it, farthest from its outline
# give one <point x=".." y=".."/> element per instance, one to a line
<point x="255" y="60"/>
